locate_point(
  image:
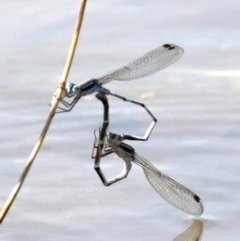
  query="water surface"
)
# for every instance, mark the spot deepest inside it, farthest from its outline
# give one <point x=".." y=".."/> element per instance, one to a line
<point x="196" y="101"/>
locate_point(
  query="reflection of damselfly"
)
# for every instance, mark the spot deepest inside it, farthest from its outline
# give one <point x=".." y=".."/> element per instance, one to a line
<point x="193" y="233"/>
<point x="108" y="143"/>
<point x="148" y="64"/>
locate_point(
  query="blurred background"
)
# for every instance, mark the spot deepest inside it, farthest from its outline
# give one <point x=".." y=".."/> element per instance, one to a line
<point x="196" y="101"/>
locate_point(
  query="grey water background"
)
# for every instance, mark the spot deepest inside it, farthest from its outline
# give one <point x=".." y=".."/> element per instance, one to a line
<point x="196" y="101"/>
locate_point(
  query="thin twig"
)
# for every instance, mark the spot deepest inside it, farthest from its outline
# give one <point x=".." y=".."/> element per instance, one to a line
<point x="62" y="83"/>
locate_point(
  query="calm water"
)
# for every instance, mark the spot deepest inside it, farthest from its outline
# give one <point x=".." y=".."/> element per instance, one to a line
<point x="196" y="101"/>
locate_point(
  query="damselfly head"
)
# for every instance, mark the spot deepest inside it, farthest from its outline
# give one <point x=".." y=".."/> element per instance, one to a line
<point x="72" y="89"/>
<point x="114" y="139"/>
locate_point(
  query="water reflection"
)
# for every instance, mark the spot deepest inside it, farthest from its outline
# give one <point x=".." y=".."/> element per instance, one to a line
<point x="193" y="233"/>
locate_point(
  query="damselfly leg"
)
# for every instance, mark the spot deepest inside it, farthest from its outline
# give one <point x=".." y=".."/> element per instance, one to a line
<point x="68" y="99"/>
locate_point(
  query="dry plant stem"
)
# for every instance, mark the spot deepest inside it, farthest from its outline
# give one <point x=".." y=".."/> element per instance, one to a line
<point x="62" y="83"/>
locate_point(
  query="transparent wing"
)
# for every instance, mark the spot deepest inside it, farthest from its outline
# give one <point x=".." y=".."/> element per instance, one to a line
<point x="148" y="64"/>
<point x="173" y="192"/>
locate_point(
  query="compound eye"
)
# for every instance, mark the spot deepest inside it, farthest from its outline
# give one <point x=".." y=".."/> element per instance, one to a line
<point x="69" y="88"/>
<point x="72" y="89"/>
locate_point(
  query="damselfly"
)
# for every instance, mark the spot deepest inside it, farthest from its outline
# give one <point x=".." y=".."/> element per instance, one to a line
<point x="148" y="64"/>
<point x="173" y="192"/>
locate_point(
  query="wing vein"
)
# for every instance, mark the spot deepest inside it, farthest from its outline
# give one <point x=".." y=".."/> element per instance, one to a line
<point x="172" y="191"/>
<point x="148" y="64"/>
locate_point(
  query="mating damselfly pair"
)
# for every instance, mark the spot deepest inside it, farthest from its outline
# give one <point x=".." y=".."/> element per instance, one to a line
<point x="108" y="143"/>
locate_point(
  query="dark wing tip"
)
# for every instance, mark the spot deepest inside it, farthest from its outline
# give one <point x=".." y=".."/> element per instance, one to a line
<point x="178" y="50"/>
<point x="201" y="208"/>
<point x="197" y="198"/>
<point x="169" y="46"/>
